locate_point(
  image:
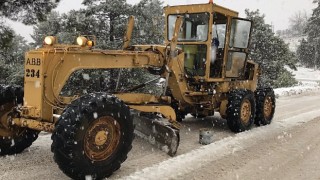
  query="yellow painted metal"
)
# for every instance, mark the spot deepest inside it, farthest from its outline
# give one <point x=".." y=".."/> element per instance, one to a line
<point x="267" y="107"/>
<point x="130" y="98"/>
<point x="223" y="108"/>
<point x="102" y="138"/>
<point x="31" y="111"/>
<point x="245" y="111"/>
<point x="127" y="37"/>
<point x="177" y="81"/>
<point x="67" y="100"/>
<point x="138" y="98"/>
<point x="55" y="65"/>
<point x="34" y="86"/>
<point x="33" y="124"/>
<point x="167" y="111"/>
<point x="174" y="40"/>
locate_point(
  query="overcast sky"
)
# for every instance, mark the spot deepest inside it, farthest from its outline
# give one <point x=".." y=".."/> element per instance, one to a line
<point x="277" y="12"/>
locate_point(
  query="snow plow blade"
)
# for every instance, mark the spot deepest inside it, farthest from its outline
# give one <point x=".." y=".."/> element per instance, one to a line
<point x="157" y="131"/>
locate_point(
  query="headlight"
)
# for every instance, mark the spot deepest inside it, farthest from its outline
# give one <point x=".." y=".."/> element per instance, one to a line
<point x="49" y="40"/>
<point x="90" y="43"/>
<point x="82" y="41"/>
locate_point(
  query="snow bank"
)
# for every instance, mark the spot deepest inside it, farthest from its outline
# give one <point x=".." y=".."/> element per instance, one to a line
<point x="296" y="90"/>
<point x="309" y="81"/>
<point x="306" y="74"/>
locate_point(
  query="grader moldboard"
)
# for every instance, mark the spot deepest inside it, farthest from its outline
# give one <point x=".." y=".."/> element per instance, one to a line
<point x="204" y="62"/>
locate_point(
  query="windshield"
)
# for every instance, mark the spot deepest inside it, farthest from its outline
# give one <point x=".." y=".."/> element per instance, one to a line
<point x="194" y="27"/>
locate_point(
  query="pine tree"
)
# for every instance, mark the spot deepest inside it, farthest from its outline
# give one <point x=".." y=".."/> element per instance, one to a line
<point x="65" y="27"/>
<point x="306" y="54"/>
<point x="6" y="40"/>
<point x="26" y="11"/>
<point x="13" y="46"/>
<point x="50" y="27"/>
<point x="271" y="52"/>
<point x="11" y="61"/>
<point x="313" y="24"/>
<point x="149" y="25"/>
<point x="309" y="51"/>
<point x="112" y="15"/>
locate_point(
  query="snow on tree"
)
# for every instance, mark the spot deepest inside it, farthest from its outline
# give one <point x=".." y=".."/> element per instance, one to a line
<point x="112" y="15"/>
<point x="298" y="22"/>
<point x="50" y="27"/>
<point x="13" y="46"/>
<point x="12" y="58"/>
<point x="27" y="11"/>
<point x="149" y="26"/>
<point x="309" y="50"/>
<point x="306" y="54"/>
<point x="271" y="52"/>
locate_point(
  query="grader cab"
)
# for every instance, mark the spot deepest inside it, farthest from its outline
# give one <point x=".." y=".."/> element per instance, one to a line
<point x="205" y="64"/>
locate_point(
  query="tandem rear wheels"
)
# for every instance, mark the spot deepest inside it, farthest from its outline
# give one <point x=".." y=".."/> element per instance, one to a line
<point x="266" y="104"/>
<point x="246" y="108"/>
<point x="93" y="136"/>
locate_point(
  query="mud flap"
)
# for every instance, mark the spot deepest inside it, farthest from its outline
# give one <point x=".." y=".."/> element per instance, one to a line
<point x="157" y="131"/>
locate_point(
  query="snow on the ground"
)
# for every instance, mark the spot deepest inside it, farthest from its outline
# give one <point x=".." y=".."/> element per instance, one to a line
<point x="296" y="90"/>
<point x="196" y="159"/>
<point x="306" y="74"/>
<point x="309" y="81"/>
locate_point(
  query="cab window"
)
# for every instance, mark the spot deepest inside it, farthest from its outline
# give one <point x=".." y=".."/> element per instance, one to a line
<point x="194" y="27"/>
<point x="219" y="30"/>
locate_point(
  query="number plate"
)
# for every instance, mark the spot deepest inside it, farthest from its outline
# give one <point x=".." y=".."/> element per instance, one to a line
<point x="32" y="68"/>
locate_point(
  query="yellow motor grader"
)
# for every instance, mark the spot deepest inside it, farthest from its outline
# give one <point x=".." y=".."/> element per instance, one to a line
<point x="205" y="64"/>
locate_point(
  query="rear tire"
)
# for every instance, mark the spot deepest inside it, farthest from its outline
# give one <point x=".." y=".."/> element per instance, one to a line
<point x="266" y="104"/>
<point x="240" y="110"/>
<point x="13" y="140"/>
<point x="93" y="136"/>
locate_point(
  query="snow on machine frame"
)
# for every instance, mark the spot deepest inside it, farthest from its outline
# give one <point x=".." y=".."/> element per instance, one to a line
<point x="204" y="62"/>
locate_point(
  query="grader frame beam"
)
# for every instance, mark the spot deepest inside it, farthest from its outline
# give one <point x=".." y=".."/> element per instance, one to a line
<point x="33" y="124"/>
<point x="48" y="68"/>
<point x="167" y="111"/>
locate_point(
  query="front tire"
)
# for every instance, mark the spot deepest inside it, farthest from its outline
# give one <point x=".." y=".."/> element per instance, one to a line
<point x="93" y="136"/>
<point x="240" y="110"/>
<point x="266" y="104"/>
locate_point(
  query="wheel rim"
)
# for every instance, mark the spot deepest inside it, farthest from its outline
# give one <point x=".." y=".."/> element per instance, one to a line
<point x="102" y="138"/>
<point x="246" y="111"/>
<point x="267" y="107"/>
<point x="5" y="130"/>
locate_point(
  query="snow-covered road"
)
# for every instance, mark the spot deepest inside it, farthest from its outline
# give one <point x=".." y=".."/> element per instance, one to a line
<point x="193" y="159"/>
<point x="205" y="159"/>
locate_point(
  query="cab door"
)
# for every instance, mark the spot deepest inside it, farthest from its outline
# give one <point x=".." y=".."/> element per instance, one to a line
<point x="238" y="47"/>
